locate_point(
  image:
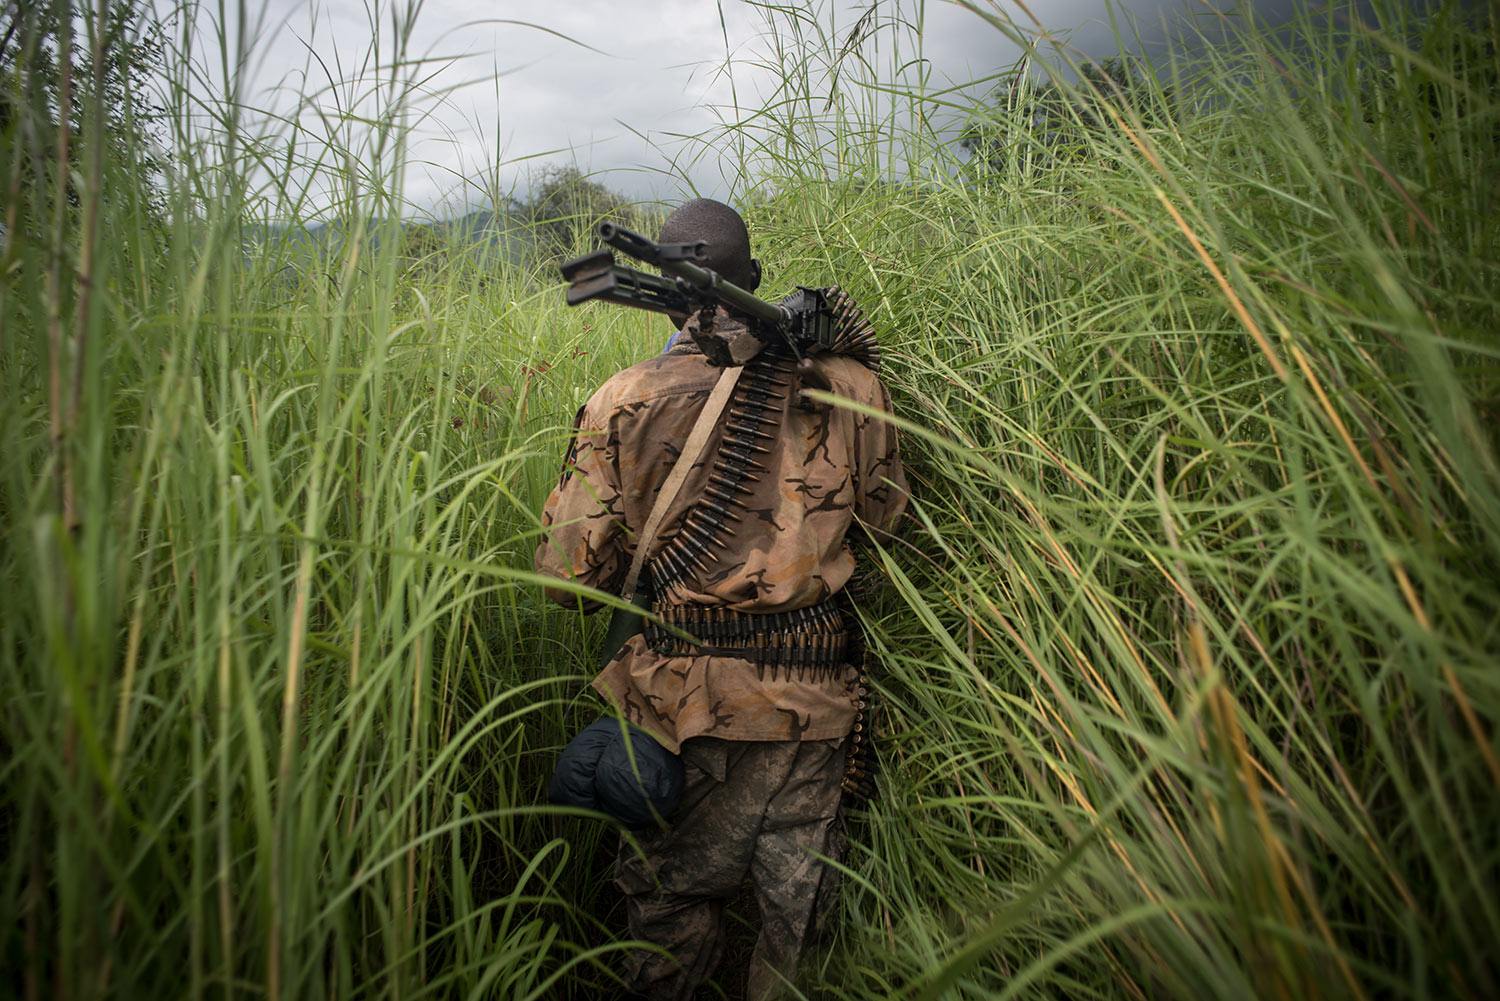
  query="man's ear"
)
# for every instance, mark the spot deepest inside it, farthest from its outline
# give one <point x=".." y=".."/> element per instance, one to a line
<point x="754" y="275"/>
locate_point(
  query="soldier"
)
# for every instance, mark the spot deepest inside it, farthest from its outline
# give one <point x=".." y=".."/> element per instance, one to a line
<point x="751" y="556"/>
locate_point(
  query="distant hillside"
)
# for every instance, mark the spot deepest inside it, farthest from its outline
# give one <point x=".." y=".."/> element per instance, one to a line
<point x="481" y="234"/>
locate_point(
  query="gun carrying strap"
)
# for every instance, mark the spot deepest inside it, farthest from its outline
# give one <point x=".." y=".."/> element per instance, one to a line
<point x="708" y="419"/>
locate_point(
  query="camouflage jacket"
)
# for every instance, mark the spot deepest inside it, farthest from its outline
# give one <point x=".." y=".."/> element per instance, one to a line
<point x="789" y="551"/>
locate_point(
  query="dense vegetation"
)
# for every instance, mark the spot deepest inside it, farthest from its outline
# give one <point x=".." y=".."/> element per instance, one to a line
<point x="1187" y="655"/>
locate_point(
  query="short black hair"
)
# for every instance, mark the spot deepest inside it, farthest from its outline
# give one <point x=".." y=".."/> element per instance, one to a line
<point x="723" y="230"/>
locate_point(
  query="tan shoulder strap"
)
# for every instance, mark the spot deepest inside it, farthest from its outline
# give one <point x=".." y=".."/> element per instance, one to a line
<point x="691" y="451"/>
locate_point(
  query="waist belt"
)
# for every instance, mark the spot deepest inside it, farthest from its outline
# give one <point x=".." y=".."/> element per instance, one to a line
<point x="812" y="640"/>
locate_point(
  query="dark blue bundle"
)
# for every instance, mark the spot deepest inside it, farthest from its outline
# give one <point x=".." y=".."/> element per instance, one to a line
<point x="595" y="772"/>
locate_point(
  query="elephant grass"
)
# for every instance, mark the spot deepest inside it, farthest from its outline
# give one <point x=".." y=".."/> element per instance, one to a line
<point x="1184" y="659"/>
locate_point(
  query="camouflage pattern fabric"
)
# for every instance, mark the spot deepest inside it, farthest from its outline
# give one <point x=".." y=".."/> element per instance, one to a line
<point x="762" y="809"/>
<point x="825" y="470"/>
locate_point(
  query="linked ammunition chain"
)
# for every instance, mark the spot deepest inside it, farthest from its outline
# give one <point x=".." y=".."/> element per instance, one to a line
<point x="859" y="765"/>
<point x="860" y="762"/>
<point x="809" y="644"/>
<point x="752" y="422"/>
<point x="853" y="334"/>
<point x="753" y="412"/>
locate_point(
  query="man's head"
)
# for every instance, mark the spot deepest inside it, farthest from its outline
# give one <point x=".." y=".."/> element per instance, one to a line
<point x="724" y="231"/>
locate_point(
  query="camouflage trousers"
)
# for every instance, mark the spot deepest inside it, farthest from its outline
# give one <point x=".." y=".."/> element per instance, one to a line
<point x="757" y="808"/>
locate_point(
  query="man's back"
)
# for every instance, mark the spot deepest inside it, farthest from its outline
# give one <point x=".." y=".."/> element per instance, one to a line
<point x="781" y="540"/>
<point x="821" y="470"/>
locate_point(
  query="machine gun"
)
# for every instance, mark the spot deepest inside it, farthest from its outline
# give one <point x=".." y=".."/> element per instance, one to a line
<point x="809" y="321"/>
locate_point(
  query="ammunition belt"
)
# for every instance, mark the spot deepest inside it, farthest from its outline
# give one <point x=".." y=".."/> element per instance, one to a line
<point x="753" y="420"/>
<point x="812" y="642"/>
<point x="859" y="763"/>
<point x="853" y="335"/>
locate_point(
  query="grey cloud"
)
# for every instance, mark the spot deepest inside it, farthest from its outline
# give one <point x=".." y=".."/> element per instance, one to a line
<point x="511" y="92"/>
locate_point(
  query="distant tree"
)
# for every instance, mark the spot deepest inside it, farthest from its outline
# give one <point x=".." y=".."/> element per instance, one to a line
<point x="51" y="77"/>
<point x="1031" y="122"/>
<point x="424" y="250"/>
<point x="565" y="206"/>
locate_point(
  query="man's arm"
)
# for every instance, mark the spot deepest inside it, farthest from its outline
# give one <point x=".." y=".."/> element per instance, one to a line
<point x="583" y="520"/>
<point x="882" y="493"/>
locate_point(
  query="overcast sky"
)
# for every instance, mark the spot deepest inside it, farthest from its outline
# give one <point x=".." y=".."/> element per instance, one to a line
<point x="609" y="85"/>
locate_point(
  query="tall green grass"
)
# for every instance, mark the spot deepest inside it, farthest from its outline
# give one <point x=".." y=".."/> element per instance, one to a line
<point x="278" y="689"/>
<point x="1188" y="657"/>
<point x="1185" y="655"/>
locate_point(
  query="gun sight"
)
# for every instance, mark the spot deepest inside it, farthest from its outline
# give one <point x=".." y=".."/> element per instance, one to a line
<point x="645" y="249"/>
